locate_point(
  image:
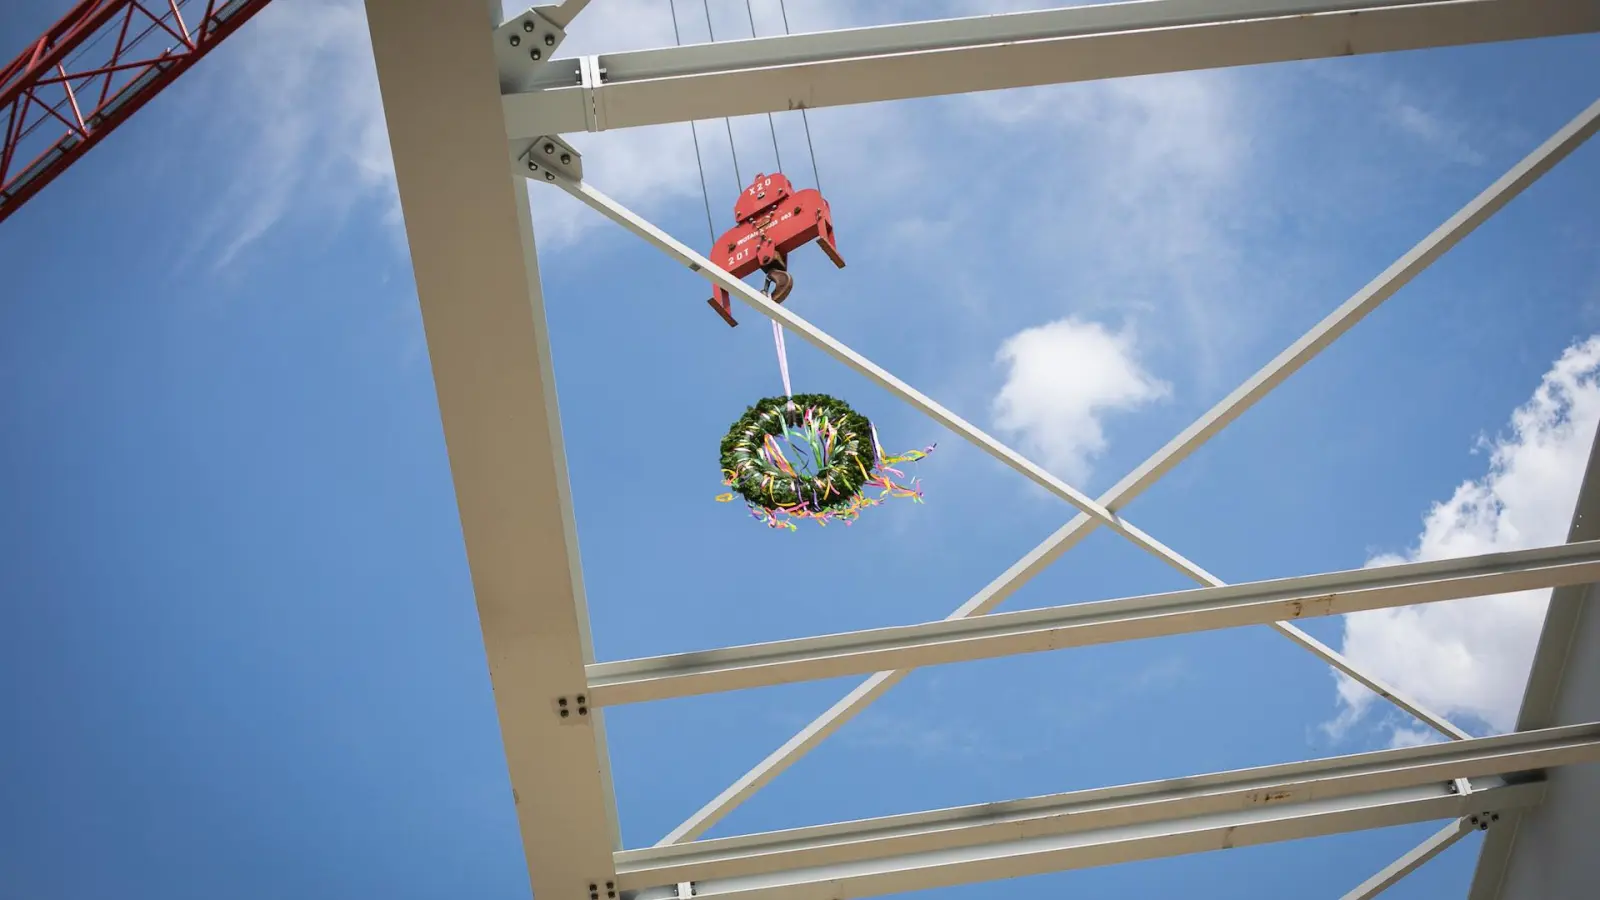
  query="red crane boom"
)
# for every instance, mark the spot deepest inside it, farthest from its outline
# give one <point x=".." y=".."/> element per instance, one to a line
<point x="89" y="73"/>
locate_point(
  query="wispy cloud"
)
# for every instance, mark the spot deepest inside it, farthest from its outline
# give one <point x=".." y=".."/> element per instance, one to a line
<point x="303" y="126"/>
<point x="1134" y="195"/>
<point x="1429" y="119"/>
<point x="1471" y="657"/>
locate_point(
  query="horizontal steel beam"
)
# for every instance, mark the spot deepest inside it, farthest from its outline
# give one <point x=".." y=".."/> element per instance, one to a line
<point x="1081" y="624"/>
<point x="981" y="53"/>
<point x="1111" y="825"/>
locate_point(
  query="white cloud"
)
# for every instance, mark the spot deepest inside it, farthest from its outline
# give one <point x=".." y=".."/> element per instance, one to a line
<point x="1470" y="658"/>
<point x="1062" y="379"/>
<point x="1409" y="736"/>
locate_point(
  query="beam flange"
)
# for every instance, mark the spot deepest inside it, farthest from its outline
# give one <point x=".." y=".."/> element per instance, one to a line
<point x="982" y="53"/>
<point x="1110" y="825"/>
<point x="1083" y="624"/>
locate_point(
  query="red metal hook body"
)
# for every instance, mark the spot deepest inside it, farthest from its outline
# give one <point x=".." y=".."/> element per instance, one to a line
<point x="773" y="220"/>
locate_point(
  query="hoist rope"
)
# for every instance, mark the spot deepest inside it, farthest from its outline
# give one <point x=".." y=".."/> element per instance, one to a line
<point x="771" y="128"/>
<point x="777" y="330"/>
<point x="705" y="195"/>
<point x="726" y="122"/>
<point x="804" y="119"/>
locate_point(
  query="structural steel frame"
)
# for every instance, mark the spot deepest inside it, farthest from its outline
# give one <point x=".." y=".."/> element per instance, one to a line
<point x="476" y="106"/>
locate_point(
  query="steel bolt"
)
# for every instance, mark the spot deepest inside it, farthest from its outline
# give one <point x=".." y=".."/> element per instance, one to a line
<point x="516" y="41"/>
<point x="551" y="176"/>
<point x="527" y="24"/>
<point x="549" y="149"/>
<point x="549" y="40"/>
<point x="534" y="167"/>
<point x="535" y="54"/>
<point x="566" y="158"/>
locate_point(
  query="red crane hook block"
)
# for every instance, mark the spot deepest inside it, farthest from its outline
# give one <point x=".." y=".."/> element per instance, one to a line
<point x="773" y="220"/>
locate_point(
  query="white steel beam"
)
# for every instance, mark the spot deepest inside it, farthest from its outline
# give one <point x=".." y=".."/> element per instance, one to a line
<point x="922" y="59"/>
<point x="1292" y="359"/>
<point x="1041" y="850"/>
<point x="1113" y="825"/>
<point x="1083" y="624"/>
<point x="477" y="278"/>
<point x="1440" y="841"/>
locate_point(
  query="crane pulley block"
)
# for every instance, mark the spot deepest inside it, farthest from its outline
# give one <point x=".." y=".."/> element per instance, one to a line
<point x="773" y="219"/>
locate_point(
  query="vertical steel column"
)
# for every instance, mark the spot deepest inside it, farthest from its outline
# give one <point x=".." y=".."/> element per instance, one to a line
<point x="477" y="278"/>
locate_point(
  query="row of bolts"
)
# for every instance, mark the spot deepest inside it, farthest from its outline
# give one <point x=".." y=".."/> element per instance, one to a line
<point x="535" y="54"/>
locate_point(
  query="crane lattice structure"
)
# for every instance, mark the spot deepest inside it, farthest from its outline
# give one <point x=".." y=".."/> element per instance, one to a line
<point x="90" y="72"/>
<point x="476" y="108"/>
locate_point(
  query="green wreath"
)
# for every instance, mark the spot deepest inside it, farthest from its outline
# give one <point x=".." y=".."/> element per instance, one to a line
<point x="835" y="444"/>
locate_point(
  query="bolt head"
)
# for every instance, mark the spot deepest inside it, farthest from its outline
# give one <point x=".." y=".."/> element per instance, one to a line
<point x="516" y="41"/>
<point x="549" y="40"/>
<point x="534" y="167"/>
<point x="566" y="158"/>
<point x="549" y="176"/>
<point x="536" y="54"/>
<point x="527" y="24"/>
<point x="549" y="149"/>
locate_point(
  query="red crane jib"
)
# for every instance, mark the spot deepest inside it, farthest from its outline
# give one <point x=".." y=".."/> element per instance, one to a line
<point x="92" y="70"/>
<point x="774" y="219"/>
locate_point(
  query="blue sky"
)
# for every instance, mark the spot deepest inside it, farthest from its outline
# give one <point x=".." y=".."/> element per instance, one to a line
<point x="238" y="650"/>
